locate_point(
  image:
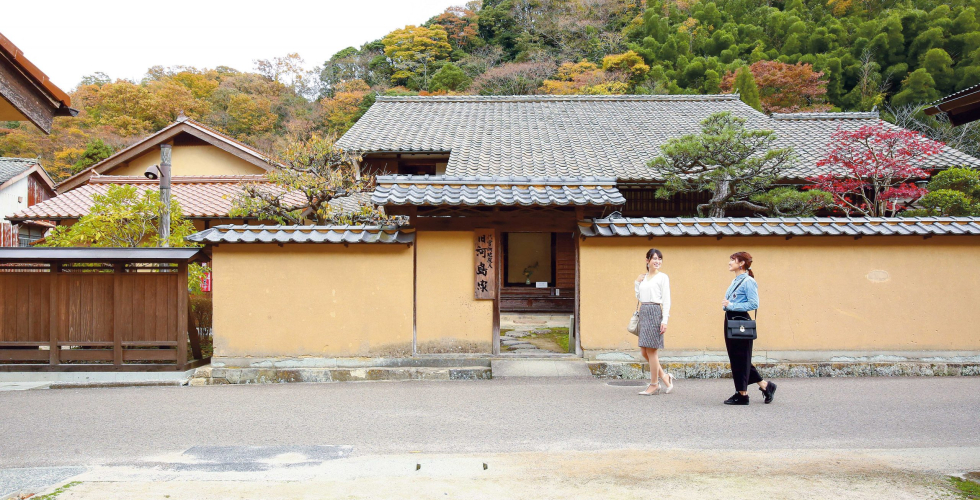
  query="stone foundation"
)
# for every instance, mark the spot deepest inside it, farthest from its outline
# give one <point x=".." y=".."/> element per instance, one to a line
<point x="637" y="370"/>
<point x="283" y="370"/>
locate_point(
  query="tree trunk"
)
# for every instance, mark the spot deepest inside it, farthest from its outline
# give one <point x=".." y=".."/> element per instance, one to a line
<point x="718" y="198"/>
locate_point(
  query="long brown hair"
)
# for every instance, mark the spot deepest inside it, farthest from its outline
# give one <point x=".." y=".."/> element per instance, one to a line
<point x="745" y="259"/>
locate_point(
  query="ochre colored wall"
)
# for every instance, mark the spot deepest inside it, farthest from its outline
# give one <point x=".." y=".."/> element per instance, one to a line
<point x="312" y="300"/>
<point x="449" y="318"/>
<point x="191" y="160"/>
<point x="816" y="293"/>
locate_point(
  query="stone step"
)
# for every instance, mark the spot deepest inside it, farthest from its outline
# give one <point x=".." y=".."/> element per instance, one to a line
<point x="540" y="367"/>
<point x="641" y="370"/>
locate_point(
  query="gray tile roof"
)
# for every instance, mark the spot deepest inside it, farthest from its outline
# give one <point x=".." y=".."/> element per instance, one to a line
<point x="486" y="191"/>
<point x="303" y="234"/>
<point x="820" y="226"/>
<point x="11" y="167"/>
<point x="352" y="203"/>
<point x="810" y="133"/>
<point x="575" y="136"/>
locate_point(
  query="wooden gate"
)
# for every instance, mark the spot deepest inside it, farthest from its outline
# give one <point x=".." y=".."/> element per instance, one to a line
<point x="91" y="310"/>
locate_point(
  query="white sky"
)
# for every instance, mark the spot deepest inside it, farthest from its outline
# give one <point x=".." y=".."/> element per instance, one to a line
<point x="70" y="39"/>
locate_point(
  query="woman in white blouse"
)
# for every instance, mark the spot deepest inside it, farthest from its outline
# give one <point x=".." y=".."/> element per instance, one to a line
<point x="653" y="292"/>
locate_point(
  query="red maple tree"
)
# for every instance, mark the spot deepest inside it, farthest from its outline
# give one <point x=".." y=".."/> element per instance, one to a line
<point x="785" y="88"/>
<point x="871" y="169"/>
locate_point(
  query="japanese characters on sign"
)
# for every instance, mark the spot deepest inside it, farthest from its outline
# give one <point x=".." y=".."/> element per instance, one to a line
<point x="486" y="277"/>
<point x="206" y="281"/>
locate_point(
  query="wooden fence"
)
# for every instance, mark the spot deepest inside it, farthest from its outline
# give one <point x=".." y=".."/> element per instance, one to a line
<point x="83" y="315"/>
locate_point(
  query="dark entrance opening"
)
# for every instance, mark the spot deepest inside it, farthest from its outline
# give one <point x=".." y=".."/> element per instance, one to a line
<point x="537" y="294"/>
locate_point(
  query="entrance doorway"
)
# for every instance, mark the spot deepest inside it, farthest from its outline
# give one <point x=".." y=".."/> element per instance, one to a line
<point x="537" y="293"/>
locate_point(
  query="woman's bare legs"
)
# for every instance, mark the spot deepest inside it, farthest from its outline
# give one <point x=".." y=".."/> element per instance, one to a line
<point x="654" y="358"/>
<point x="651" y="356"/>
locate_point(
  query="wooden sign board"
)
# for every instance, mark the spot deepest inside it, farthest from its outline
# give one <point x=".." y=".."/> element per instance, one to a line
<point x="484" y="272"/>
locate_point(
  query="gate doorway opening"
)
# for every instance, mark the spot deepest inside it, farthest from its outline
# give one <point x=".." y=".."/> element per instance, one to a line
<point x="537" y="294"/>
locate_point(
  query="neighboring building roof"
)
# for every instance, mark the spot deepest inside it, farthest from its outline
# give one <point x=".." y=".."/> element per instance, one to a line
<point x="303" y="234"/>
<point x="495" y="191"/>
<point x="350" y="203"/>
<point x="820" y="226"/>
<point x="35" y="73"/>
<point x="961" y="107"/>
<point x="182" y="125"/>
<point x="15" y="169"/>
<point x="199" y="197"/>
<point x="810" y="134"/>
<point x="12" y="167"/>
<point x="29" y="90"/>
<point x="576" y="136"/>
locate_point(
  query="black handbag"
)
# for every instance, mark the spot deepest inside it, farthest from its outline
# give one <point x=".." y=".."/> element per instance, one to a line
<point x="741" y="329"/>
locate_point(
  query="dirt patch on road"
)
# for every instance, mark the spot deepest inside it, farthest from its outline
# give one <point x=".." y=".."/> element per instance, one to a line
<point x="622" y="474"/>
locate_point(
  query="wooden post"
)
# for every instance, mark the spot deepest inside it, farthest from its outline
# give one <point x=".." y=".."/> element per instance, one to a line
<point x="415" y="297"/>
<point x="54" y="309"/>
<point x="164" y="228"/>
<point x="117" y="353"/>
<point x="181" y="315"/>
<point x="498" y="278"/>
<point x="577" y="327"/>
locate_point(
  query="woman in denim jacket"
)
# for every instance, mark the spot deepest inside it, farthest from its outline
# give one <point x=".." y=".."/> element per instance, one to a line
<point x="743" y="296"/>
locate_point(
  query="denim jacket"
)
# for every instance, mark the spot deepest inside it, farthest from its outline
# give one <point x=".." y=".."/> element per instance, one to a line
<point x="745" y="297"/>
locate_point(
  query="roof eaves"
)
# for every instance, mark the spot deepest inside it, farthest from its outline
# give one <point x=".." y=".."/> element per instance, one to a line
<point x="17" y="57"/>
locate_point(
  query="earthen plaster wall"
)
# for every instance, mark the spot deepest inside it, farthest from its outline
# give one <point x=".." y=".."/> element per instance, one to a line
<point x="449" y="318"/>
<point x="321" y="300"/>
<point x="191" y="160"/>
<point x="887" y="293"/>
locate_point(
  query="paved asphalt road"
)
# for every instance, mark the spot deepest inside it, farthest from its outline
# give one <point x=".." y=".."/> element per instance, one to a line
<point x="64" y="427"/>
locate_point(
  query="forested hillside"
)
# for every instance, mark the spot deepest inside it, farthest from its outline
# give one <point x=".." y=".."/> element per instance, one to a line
<point x="797" y="55"/>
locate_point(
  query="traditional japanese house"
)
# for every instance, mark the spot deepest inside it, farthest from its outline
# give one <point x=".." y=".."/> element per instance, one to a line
<point x="208" y="170"/>
<point x="545" y="205"/>
<point x="23" y="184"/>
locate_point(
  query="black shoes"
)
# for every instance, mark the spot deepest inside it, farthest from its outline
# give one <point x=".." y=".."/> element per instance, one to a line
<point x="768" y="392"/>
<point x="738" y="399"/>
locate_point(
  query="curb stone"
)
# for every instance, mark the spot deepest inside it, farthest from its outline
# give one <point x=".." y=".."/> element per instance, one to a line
<point x="638" y="370"/>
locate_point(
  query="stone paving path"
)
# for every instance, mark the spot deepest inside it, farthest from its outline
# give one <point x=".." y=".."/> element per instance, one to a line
<point x="523" y="325"/>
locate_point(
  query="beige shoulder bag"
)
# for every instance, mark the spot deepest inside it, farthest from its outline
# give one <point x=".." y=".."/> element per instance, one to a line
<point x="634" y="326"/>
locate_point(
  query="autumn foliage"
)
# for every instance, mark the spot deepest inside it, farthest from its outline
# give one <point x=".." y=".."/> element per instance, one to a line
<point x="872" y="169"/>
<point x="785" y="88"/>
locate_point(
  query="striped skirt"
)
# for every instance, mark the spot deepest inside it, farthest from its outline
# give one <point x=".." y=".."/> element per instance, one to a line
<point x="650" y="318"/>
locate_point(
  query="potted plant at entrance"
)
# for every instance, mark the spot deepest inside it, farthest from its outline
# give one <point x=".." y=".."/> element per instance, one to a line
<point x="528" y="271"/>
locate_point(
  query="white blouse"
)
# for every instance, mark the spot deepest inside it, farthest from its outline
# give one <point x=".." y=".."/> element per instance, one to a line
<point x="655" y="289"/>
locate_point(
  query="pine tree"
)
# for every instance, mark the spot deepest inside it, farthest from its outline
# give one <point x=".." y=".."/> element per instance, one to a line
<point x="449" y="77"/>
<point x="747" y="89"/>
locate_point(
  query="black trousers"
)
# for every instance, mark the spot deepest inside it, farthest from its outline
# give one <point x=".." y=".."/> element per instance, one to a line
<point x="740" y="356"/>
